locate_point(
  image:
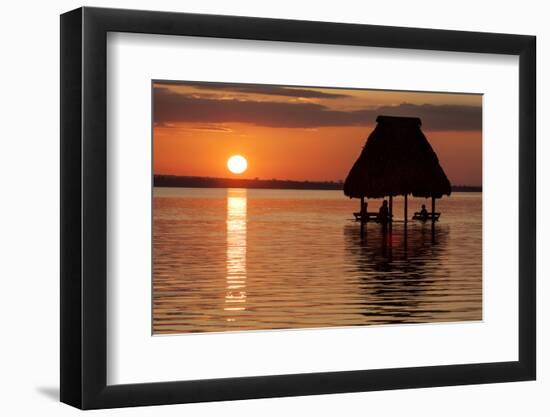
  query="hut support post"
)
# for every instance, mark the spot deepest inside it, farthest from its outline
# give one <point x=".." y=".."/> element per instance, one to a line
<point x="391" y="209"/>
<point x="433" y="209"/>
<point x="406" y="209"/>
<point x="361" y="211"/>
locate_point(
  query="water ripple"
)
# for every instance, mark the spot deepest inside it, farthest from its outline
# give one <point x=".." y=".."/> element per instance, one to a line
<point x="226" y="260"/>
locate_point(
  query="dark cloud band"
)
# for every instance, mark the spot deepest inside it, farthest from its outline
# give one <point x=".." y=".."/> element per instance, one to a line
<point x="270" y="90"/>
<point x="172" y="107"/>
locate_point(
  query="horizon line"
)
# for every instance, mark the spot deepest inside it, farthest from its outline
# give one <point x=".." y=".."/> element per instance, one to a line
<point x="340" y="181"/>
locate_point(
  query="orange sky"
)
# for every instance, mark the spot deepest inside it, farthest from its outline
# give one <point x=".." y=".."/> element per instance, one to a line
<point x="301" y="133"/>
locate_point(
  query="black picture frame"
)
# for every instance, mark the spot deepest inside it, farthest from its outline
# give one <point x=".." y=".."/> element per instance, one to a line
<point x="84" y="207"/>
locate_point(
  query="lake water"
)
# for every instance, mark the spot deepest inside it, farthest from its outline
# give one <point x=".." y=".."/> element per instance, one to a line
<point x="237" y="259"/>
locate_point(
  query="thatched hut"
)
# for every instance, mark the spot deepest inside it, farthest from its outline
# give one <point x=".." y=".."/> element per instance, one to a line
<point x="397" y="159"/>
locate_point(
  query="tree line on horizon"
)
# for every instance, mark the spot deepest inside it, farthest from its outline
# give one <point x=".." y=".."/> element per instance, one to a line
<point x="213" y="182"/>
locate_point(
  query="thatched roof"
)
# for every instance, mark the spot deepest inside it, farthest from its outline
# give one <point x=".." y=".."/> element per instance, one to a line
<point x="397" y="160"/>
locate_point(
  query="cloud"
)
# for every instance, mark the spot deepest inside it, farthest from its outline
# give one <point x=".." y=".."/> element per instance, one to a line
<point x="206" y="128"/>
<point x="214" y="129"/>
<point x="439" y="116"/>
<point x="270" y="90"/>
<point x="173" y="107"/>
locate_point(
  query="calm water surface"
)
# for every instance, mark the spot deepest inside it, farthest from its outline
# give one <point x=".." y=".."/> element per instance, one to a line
<point x="236" y="259"/>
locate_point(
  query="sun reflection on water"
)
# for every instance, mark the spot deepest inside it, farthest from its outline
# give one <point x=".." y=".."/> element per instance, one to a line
<point x="235" y="297"/>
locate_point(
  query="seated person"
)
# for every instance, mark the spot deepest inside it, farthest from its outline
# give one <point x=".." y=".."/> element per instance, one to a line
<point x="383" y="213"/>
<point x="424" y="212"/>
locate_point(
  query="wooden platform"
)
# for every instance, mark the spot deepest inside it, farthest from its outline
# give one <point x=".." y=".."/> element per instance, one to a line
<point x="429" y="216"/>
<point x="368" y="217"/>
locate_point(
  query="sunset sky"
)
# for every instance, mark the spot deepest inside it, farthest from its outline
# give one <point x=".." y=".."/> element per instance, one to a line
<point x="301" y="133"/>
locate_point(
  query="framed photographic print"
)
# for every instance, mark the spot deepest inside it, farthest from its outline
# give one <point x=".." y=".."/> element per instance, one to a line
<point x="258" y="207"/>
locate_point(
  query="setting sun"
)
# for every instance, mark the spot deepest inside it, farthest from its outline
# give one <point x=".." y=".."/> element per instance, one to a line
<point x="237" y="164"/>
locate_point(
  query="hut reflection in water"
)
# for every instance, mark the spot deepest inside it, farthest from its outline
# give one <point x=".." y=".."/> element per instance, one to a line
<point x="397" y="271"/>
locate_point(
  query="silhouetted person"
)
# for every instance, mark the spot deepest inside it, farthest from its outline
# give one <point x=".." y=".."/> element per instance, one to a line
<point x="424" y="212"/>
<point x="383" y="213"/>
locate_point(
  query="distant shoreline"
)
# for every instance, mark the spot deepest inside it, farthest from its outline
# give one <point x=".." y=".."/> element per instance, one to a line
<point x="212" y="182"/>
